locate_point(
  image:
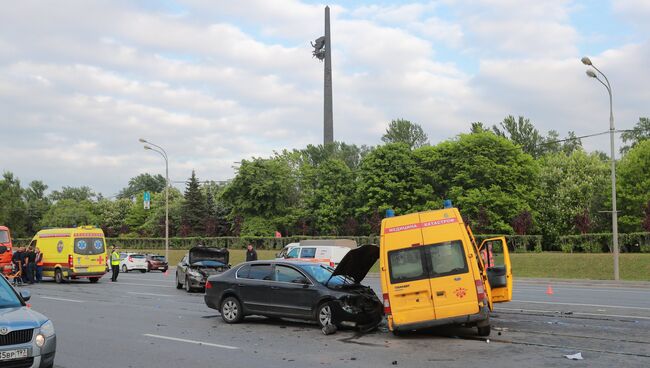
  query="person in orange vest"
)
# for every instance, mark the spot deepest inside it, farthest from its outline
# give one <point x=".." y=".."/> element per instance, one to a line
<point x="39" y="265"/>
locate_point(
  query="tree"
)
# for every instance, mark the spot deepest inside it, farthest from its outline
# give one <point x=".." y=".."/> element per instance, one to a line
<point x="490" y="179"/>
<point x="478" y="127"/>
<point x="112" y="216"/>
<point x="36" y="203"/>
<point x="522" y="132"/>
<point x="78" y="194"/>
<point x="332" y="200"/>
<point x="404" y="131"/>
<point x="141" y="183"/>
<point x="639" y="133"/>
<point x="12" y="208"/>
<point x="193" y="210"/>
<point x="634" y="186"/>
<point x="69" y="213"/>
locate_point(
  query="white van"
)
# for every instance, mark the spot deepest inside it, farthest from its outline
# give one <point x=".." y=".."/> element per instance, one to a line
<point x="326" y="251"/>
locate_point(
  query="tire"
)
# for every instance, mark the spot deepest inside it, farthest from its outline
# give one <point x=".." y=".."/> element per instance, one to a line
<point x="231" y="310"/>
<point x="143" y="271"/>
<point x="124" y="269"/>
<point x="484" y="330"/>
<point x="188" y="288"/>
<point x="398" y="333"/>
<point x="324" y="314"/>
<point x="178" y="283"/>
<point x="58" y="276"/>
<point x="93" y="280"/>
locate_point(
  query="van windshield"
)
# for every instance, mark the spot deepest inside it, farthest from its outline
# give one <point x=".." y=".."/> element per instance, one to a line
<point x="428" y="261"/>
<point x="89" y="246"/>
<point x="4" y="236"/>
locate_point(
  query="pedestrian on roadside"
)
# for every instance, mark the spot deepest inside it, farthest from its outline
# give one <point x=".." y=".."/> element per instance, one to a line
<point x="251" y="254"/>
<point x="39" y="265"/>
<point x="18" y="258"/>
<point x="115" y="263"/>
<point x="30" y="264"/>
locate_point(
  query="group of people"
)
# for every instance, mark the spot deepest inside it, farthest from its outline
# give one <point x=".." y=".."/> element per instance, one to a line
<point x="29" y="261"/>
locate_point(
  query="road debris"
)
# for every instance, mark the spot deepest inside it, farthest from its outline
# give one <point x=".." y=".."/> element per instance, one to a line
<point x="576" y="356"/>
<point x="329" y="330"/>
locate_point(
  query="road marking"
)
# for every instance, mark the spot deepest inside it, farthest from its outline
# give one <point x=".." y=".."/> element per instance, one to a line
<point x="152" y="294"/>
<point x="565" y="287"/>
<point x="148" y="285"/>
<point x="192" y="342"/>
<point x="62" y="299"/>
<point x="582" y="305"/>
<point x="574" y="313"/>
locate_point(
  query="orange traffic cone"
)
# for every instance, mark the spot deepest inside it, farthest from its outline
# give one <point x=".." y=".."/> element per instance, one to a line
<point x="549" y="290"/>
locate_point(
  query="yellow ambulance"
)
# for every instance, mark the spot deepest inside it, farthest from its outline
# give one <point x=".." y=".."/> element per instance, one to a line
<point x="433" y="273"/>
<point x="72" y="253"/>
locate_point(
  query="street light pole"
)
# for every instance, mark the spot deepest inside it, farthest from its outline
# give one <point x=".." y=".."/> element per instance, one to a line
<point x="585" y="60"/>
<point x="163" y="153"/>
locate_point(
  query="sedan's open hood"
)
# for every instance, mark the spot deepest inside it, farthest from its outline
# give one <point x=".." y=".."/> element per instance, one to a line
<point x="358" y="262"/>
<point x="207" y="253"/>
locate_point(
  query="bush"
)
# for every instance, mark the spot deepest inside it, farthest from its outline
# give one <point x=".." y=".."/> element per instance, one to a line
<point x="517" y="243"/>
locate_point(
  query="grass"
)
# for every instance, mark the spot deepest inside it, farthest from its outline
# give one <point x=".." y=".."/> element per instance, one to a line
<point x="633" y="266"/>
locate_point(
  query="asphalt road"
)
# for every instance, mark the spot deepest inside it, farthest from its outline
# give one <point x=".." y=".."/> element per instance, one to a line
<point x="144" y="321"/>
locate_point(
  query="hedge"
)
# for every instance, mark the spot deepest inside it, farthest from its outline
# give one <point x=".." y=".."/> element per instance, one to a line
<point x="598" y="243"/>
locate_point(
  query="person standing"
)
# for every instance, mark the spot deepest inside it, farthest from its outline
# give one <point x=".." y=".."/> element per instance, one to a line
<point x="251" y="254"/>
<point x="39" y="265"/>
<point x="30" y="263"/>
<point x="115" y="264"/>
<point x="17" y="259"/>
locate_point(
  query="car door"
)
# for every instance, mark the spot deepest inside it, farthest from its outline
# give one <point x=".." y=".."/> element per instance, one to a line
<point x="255" y="289"/>
<point x="496" y="258"/>
<point x="293" y="294"/>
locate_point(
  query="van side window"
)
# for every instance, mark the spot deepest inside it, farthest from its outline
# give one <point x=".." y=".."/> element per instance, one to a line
<point x="293" y="253"/>
<point x="406" y="265"/>
<point x="447" y="258"/>
<point x="308" y="253"/>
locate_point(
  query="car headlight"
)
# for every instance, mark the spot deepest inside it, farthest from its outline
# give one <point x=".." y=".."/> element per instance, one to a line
<point x="47" y="329"/>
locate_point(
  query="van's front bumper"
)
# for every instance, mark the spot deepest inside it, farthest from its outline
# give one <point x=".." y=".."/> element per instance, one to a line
<point x="482" y="316"/>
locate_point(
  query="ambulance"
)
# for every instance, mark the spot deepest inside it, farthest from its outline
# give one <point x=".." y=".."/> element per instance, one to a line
<point x="434" y="274"/>
<point x="72" y="253"/>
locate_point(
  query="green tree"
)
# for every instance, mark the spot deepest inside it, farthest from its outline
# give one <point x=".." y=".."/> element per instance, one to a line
<point x="404" y="131"/>
<point x="112" y="215"/>
<point x="522" y="132"/>
<point x="78" y="194"/>
<point x="12" y="208"/>
<point x="490" y="179"/>
<point x="141" y="183"/>
<point x="36" y="203"/>
<point x="193" y="210"/>
<point x="332" y="199"/>
<point x="69" y="213"/>
<point x="639" y="133"/>
<point x="634" y="186"/>
<point x="478" y="127"/>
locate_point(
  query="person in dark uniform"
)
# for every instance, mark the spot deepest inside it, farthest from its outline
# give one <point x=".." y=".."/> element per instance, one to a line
<point x="251" y="254"/>
<point x="18" y="258"/>
<point x="30" y="263"/>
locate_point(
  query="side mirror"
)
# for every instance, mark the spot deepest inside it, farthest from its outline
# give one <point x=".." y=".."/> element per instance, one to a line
<point x="26" y="295"/>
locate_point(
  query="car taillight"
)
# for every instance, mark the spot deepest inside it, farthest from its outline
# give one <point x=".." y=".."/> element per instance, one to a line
<point x="386" y="304"/>
<point x="480" y="290"/>
<point x="130" y="259"/>
<point x="332" y="264"/>
<point x="208" y="285"/>
<point x="70" y="260"/>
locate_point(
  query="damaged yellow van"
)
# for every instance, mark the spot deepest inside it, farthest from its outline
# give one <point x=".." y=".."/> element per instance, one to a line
<point x="433" y="274"/>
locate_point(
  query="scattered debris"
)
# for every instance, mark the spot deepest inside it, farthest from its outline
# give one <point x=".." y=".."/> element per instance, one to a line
<point x="487" y="341"/>
<point x="329" y="329"/>
<point x="568" y="312"/>
<point x="394" y="362"/>
<point x="576" y="356"/>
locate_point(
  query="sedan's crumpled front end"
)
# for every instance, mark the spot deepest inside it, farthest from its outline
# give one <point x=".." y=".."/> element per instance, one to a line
<point x="361" y="311"/>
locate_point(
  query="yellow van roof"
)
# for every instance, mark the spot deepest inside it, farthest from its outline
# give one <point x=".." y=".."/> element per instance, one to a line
<point x="435" y="217"/>
<point x="81" y="231"/>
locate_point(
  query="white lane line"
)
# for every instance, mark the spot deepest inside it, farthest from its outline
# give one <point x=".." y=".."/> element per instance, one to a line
<point x="152" y="294"/>
<point x="61" y="299"/>
<point x="564" y="287"/>
<point x="582" y="305"/>
<point x="192" y="342"/>
<point x="574" y="313"/>
<point x="148" y="285"/>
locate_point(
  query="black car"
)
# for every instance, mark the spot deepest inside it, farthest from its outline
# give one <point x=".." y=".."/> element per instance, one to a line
<point x="301" y="290"/>
<point x="199" y="264"/>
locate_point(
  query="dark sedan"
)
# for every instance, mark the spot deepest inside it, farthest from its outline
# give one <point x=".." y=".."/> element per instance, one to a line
<point x="301" y="290"/>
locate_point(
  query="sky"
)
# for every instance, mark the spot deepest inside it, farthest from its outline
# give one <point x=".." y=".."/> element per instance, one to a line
<point x="215" y="82"/>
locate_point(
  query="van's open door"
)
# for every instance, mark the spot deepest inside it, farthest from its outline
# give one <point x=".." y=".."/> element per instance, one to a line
<point x="496" y="258"/>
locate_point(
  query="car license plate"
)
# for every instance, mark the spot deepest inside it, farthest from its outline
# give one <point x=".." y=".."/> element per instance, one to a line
<point x="13" y="354"/>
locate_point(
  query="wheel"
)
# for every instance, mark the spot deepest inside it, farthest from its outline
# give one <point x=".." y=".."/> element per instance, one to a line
<point x="93" y="280"/>
<point x="143" y="271"/>
<point x="483" y="330"/>
<point x="58" y="276"/>
<point x="178" y="283"/>
<point x="231" y="311"/>
<point x="188" y="288"/>
<point x="124" y="269"/>
<point x="398" y="333"/>
<point x="324" y="314"/>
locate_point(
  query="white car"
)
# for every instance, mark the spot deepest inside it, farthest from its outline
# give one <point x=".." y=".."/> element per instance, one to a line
<point x="325" y="251"/>
<point x="132" y="262"/>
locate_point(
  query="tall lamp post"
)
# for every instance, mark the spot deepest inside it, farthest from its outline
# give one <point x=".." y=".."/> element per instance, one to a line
<point x="590" y="73"/>
<point x="163" y="153"/>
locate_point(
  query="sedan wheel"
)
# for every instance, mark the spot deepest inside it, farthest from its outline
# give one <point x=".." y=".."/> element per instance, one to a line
<point x="231" y="311"/>
<point x="325" y="315"/>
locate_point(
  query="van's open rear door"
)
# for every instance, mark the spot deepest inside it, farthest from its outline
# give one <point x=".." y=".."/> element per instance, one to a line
<point x="496" y="258"/>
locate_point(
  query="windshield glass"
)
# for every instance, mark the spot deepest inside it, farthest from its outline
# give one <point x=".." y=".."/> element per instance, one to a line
<point x="323" y="273"/>
<point x="89" y="246"/>
<point x="4" y="236"/>
<point x="208" y="263"/>
<point x="138" y="256"/>
<point x="8" y="298"/>
<point x="158" y="258"/>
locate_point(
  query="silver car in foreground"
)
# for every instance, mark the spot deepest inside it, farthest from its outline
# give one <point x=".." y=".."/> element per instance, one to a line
<point x="27" y="337"/>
